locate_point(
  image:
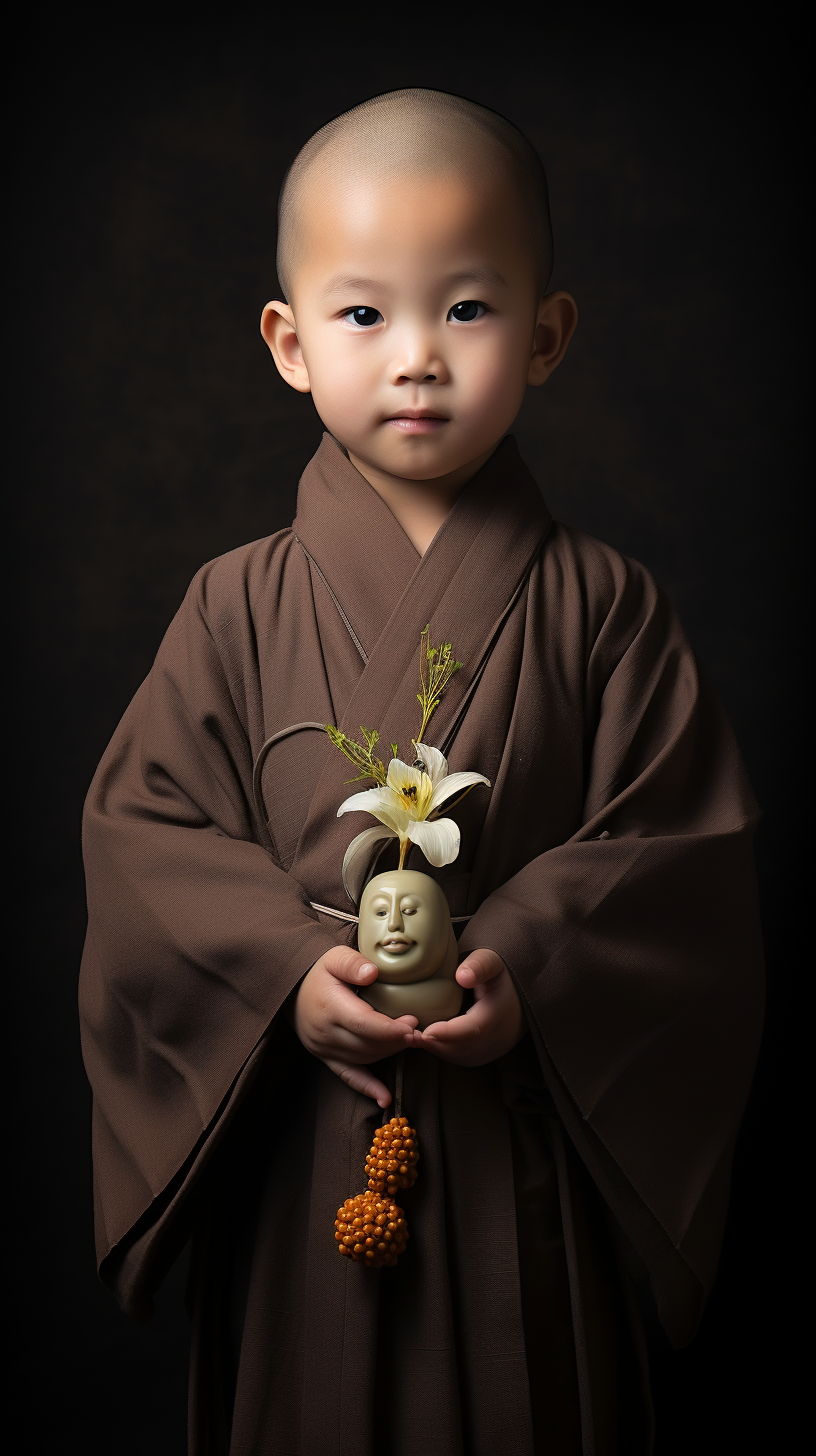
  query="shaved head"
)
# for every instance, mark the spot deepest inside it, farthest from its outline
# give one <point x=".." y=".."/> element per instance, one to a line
<point x="416" y="132"/>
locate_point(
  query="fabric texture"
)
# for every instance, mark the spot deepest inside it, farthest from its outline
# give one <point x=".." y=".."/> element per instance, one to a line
<point x="609" y="865"/>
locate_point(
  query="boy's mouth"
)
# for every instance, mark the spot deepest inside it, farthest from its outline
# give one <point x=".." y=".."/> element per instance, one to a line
<point x="417" y="422"/>
<point x="396" y="944"/>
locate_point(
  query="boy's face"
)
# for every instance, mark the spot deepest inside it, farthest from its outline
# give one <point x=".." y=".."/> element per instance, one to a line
<point x="414" y="319"/>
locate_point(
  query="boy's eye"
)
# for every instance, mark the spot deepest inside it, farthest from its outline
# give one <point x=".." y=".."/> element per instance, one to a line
<point x="465" y="313"/>
<point x="364" y="317"/>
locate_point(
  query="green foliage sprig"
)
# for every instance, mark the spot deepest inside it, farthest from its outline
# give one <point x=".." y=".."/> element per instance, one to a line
<point x="362" y="757"/>
<point x="436" y="668"/>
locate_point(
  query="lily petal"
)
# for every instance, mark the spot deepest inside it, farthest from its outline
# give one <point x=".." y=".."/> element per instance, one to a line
<point x="384" y="805"/>
<point x="400" y="773"/>
<point x="436" y="764"/>
<point x="357" y="860"/>
<point x="453" y="785"/>
<point x="438" y="841"/>
<point x="368" y="799"/>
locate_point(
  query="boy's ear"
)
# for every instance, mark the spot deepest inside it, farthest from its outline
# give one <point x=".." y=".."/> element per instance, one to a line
<point x="555" y="326"/>
<point x="280" y="335"/>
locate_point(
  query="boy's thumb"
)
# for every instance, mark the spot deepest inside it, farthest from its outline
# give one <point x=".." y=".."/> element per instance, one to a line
<point x="479" y="967"/>
<point x="348" y="965"/>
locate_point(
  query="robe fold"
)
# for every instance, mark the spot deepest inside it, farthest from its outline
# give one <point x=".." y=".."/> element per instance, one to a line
<point x="609" y="865"/>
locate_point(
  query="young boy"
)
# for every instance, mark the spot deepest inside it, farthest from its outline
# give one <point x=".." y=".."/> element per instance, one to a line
<point x="576" y="1121"/>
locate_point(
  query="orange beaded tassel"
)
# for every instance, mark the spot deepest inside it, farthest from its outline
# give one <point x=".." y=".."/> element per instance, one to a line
<point x="392" y="1160"/>
<point x="371" y="1228"/>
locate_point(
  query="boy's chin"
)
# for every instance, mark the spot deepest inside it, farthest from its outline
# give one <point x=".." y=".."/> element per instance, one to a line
<point x="420" y="461"/>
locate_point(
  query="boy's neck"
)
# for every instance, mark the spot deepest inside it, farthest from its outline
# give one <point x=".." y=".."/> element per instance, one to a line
<point x="420" y="506"/>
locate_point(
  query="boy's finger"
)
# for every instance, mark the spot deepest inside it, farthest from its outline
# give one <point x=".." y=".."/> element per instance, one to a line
<point x="363" y="1034"/>
<point x="371" y="1047"/>
<point x="460" y="1029"/>
<point x="479" y="967"/>
<point x="354" y="1015"/>
<point x="361" y="1079"/>
<point x="453" y="1041"/>
<point x="349" y="966"/>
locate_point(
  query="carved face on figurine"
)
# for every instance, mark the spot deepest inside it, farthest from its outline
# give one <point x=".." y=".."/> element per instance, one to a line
<point x="404" y="926"/>
<point x="405" y="929"/>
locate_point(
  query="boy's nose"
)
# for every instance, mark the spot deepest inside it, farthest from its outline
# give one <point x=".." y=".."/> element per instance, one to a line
<point x="418" y="363"/>
<point x="416" y="377"/>
<point x="395" y="920"/>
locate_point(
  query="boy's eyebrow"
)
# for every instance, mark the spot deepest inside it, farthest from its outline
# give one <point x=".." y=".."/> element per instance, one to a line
<point x="346" y="282"/>
<point x="342" y="282"/>
<point x="483" y="274"/>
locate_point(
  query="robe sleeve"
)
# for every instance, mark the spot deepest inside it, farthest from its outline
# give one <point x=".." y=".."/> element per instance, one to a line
<point x="195" y="939"/>
<point x="636" y="949"/>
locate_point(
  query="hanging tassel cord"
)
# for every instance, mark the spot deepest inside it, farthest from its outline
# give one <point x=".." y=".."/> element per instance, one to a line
<point x="396" y="1109"/>
<point x="344" y="914"/>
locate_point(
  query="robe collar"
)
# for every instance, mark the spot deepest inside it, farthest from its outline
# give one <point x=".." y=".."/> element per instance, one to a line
<point x="463" y="587"/>
<point x="355" y="541"/>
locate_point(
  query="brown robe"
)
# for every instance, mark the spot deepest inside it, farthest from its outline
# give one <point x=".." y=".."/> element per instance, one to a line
<point x="609" y="865"/>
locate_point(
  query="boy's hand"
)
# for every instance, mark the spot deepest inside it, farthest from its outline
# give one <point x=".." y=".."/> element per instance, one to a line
<point x="492" y="1026"/>
<point x="339" y="1028"/>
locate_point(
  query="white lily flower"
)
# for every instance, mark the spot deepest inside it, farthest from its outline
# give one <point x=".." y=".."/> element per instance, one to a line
<point x="407" y="806"/>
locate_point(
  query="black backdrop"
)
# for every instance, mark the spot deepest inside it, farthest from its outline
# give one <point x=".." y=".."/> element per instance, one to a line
<point x="155" y="434"/>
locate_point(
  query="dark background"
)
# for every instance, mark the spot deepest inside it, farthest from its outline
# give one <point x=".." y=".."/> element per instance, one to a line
<point x="154" y="433"/>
